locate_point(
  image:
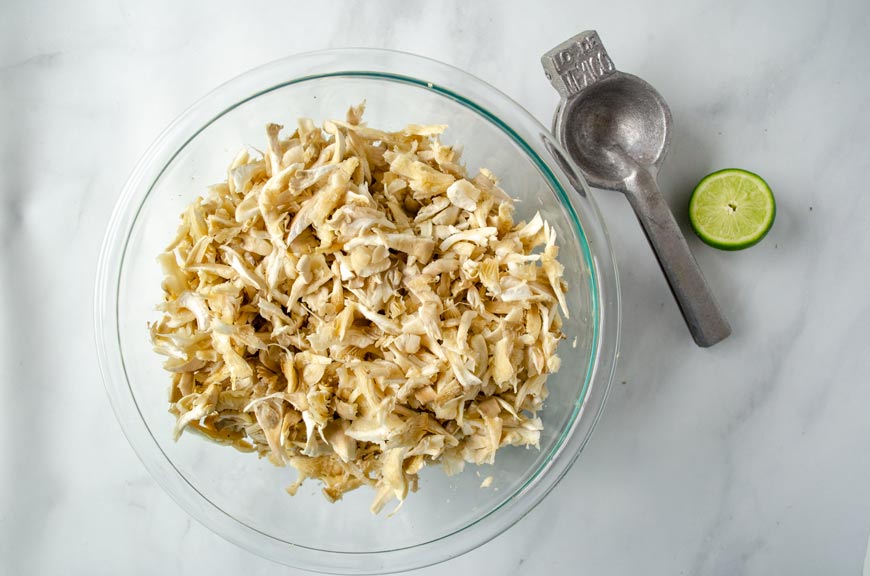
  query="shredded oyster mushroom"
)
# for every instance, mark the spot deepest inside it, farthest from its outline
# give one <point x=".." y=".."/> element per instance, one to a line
<point x="350" y="302"/>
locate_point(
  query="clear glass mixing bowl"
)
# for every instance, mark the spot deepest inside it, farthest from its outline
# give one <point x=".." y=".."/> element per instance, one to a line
<point x="241" y="497"/>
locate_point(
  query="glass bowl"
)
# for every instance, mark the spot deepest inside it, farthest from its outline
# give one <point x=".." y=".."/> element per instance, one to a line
<point x="242" y="497"/>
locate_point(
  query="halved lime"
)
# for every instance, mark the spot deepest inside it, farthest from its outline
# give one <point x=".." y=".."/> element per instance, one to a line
<point x="732" y="209"/>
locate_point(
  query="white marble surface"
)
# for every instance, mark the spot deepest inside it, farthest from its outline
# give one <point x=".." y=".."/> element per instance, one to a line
<point x="748" y="458"/>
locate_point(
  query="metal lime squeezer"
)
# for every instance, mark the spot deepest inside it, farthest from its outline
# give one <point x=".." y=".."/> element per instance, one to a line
<point x="616" y="128"/>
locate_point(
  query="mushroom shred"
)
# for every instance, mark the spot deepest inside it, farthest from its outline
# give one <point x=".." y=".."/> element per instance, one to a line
<point x="352" y="303"/>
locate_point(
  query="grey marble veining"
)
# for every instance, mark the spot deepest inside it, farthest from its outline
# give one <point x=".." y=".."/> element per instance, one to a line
<point x="747" y="458"/>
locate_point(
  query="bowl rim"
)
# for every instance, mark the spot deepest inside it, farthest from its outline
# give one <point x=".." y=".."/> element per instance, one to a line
<point x="442" y="79"/>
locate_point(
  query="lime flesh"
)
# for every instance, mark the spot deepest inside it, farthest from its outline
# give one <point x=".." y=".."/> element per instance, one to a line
<point x="732" y="209"/>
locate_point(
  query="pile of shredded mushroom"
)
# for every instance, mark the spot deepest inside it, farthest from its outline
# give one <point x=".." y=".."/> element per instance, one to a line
<point x="350" y="302"/>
